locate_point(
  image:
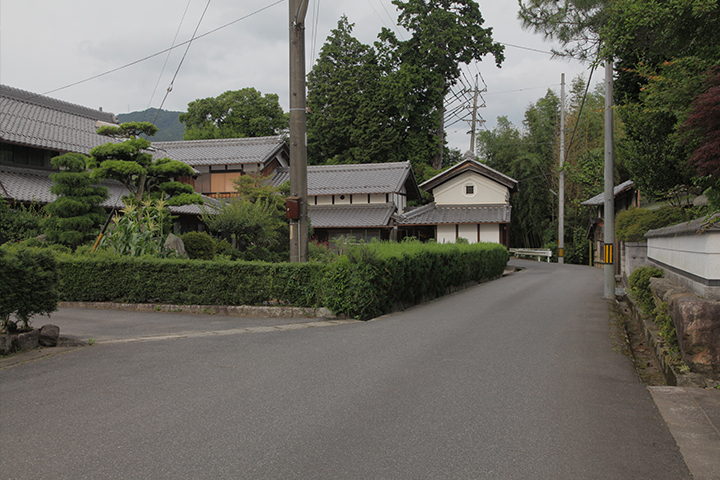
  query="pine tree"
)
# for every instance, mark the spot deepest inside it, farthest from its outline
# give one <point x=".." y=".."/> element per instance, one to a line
<point x="76" y="212"/>
<point x="131" y="163"/>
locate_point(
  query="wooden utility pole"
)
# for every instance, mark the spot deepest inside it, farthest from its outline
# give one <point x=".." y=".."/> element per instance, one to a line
<point x="298" y="131"/>
<point x="561" y="190"/>
<point x="609" y="212"/>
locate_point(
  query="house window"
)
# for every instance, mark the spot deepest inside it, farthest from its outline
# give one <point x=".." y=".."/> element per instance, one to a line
<point x="469" y="189"/>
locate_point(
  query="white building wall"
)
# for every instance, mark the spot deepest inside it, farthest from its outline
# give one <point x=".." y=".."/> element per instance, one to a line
<point x="468" y="232"/>
<point x="490" y="232"/>
<point x="486" y="191"/>
<point x="324" y="200"/>
<point x="378" y="198"/>
<point x="446" y="233"/>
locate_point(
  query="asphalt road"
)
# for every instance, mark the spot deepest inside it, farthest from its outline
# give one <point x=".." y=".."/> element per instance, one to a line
<point x="513" y="379"/>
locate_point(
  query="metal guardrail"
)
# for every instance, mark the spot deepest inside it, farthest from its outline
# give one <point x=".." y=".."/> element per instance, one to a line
<point x="530" y="252"/>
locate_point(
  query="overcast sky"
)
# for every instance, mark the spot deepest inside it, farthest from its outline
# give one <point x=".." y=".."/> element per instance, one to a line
<point x="47" y="45"/>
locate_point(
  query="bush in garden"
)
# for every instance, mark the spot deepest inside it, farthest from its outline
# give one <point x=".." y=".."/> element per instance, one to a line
<point x="199" y="245"/>
<point x="28" y="285"/>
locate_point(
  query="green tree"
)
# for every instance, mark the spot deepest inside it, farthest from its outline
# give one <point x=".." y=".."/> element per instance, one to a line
<point x="254" y="221"/>
<point x="348" y="120"/>
<point x="234" y="114"/>
<point x="445" y="34"/>
<point x="76" y="213"/>
<point x="131" y="162"/>
<point x="576" y="24"/>
<point x="385" y="102"/>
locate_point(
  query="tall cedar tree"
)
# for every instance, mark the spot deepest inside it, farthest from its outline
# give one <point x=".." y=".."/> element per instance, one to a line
<point x="76" y="213"/>
<point x="445" y="33"/>
<point x="234" y="114"/>
<point x="132" y="163"/>
<point x="385" y="103"/>
<point x="348" y="121"/>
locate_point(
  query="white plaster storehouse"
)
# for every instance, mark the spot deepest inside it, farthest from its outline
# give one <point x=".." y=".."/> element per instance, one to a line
<point x="471" y="200"/>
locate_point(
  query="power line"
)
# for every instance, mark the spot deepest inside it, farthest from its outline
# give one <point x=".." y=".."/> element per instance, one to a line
<point x="162" y="70"/>
<point x="172" y="82"/>
<point x="160" y="52"/>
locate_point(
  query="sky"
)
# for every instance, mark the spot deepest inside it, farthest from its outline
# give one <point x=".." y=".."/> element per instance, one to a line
<point x="51" y="48"/>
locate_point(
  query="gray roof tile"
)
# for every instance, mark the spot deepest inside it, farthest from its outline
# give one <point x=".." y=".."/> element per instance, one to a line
<point x="363" y="178"/>
<point x="345" y="216"/>
<point x="44" y="122"/>
<point x="432" y="214"/>
<point x="600" y="199"/>
<point x="32" y="185"/>
<point x="223" y="151"/>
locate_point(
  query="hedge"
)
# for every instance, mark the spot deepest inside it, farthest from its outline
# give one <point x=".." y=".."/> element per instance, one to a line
<point x="187" y="282"/>
<point x="366" y="282"/>
<point x="406" y="274"/>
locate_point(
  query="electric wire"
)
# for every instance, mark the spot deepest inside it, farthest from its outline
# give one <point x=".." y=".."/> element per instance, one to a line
<point x="160" y="52"/>
<point x="172" y="82"/>
<point x="162" y="70"/>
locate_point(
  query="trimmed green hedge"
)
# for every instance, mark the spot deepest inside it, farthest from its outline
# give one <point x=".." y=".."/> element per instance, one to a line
<point x="366" y="282"/>
<point x="407" y="274"/>
<point x="187" y="282"/>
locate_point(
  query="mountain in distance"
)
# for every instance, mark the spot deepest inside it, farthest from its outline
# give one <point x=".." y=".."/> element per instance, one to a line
<point x="169" y="127"/>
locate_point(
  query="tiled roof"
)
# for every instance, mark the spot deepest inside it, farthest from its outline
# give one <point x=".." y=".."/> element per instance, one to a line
<point x="469" y="164"/>
<point x="693" y="227"/>
<point x="600" y="199"/>
<point x="355" y="216"/>
<point x="432" y="214"/>
<point x="44" y="122"/>
<point x="362" y="178"/>
<point x="223" y="151"/>
<point x="31" y="185"/>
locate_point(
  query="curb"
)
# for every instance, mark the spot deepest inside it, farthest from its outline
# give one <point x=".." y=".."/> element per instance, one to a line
<point x="230" y="310"/>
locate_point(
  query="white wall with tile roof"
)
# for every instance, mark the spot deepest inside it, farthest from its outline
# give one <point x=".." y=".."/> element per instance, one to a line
<point x="486" y="191"/>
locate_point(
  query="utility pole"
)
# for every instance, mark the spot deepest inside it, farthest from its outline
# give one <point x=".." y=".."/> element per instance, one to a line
<point x="609" y="213"/>
<point x="561" y="195"/>
<point x="298" y="131"/>
<point x="474" y="116"/>
<point x="473" y="120"/>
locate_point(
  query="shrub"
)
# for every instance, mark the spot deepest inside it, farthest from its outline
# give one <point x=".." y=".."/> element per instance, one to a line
<point x="632" y="225"/>
<point x="639" y="283"/>
<point x="28" y="284"/>
<point x="199" y="245"/>
<point x="18" y="222"/>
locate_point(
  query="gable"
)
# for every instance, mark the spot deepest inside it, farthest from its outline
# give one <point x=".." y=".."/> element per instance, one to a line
<point x="470" y="188"/>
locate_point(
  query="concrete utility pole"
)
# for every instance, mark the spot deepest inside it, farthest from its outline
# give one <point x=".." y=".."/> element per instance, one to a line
<point x="561" y="195"/>
<point x="473" y="119"/>
<point x="474" y="116"/>
<point x="609" y="213"/>
<point x="298" y="131"/>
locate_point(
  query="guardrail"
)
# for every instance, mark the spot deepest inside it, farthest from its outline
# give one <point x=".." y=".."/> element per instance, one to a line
<point x="530" y="252"/>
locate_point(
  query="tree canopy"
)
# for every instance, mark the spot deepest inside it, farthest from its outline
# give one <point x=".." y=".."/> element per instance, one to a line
<point x="384" y="102"/>
<point x="131" y="163"/>
<point x="234" y="114"/>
